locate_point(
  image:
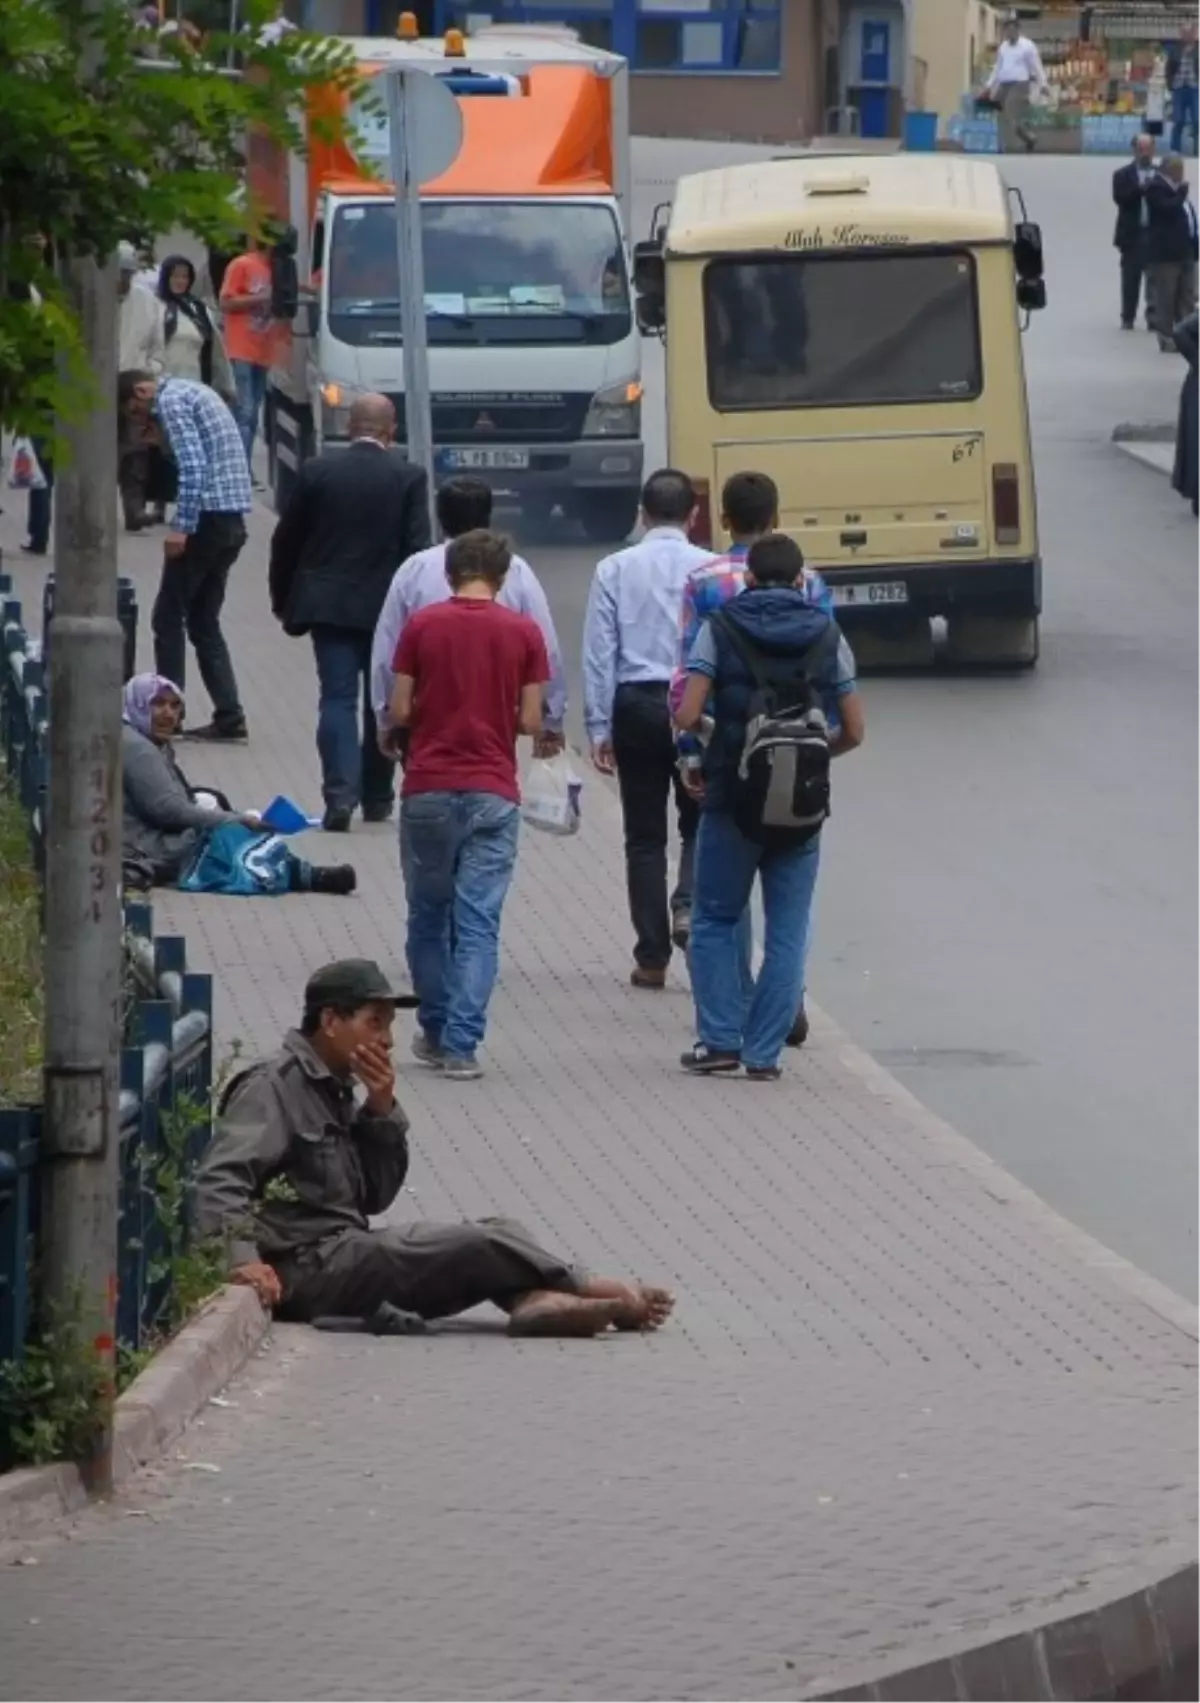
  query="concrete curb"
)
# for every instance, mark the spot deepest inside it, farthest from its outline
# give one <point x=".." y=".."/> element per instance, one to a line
<point x="1154" y="431"/>
<point x="152" y="1413"/>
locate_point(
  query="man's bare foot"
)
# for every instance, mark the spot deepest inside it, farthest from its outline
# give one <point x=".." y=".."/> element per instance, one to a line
<point x="643" y="1306"/>
<point x="545" y="1312"/>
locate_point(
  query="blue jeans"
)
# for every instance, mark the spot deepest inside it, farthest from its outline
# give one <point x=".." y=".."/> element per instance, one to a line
<point x="353" y="769"/>
<point x="733" y="1012"/>
<point x="250" y="382"/>
<point x="1183" y="116"/>
<point x="457" y="851"/>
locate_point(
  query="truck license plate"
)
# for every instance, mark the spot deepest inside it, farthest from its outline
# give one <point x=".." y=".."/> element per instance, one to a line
<point x="871" y="595"/>
<point x="461" y="459"/>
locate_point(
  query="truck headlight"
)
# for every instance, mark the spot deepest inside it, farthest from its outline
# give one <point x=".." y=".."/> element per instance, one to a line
<point x="615" y="412"/>
<point x="336" y="402"/>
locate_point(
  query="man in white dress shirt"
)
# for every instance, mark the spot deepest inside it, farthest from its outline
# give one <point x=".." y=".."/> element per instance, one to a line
<point x="630" y="647"/>
<point x="463" y="505"/>
<point x="1018" y="67"/>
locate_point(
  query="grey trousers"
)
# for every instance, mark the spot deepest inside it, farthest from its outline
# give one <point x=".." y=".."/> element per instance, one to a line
<point x="1014" y="116"/>
<point x="431" y="1269"/>
<point x="1171" y="287"/>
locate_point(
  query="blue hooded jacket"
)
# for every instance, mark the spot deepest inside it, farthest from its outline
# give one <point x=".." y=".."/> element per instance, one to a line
<point x="781" y="624"/>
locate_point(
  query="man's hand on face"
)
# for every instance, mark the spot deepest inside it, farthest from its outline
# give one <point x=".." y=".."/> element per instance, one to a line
<point x="372" y="1064"/>
<point x="263" y="1279"/>
<point x="603" y="757"/>
<point x="174" y="544"/>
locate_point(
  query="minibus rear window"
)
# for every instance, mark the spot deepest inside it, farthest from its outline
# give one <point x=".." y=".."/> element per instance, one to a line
<point x="841" y="330"/>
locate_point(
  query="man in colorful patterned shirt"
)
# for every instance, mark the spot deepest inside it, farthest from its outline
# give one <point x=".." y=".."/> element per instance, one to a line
<point x="749" y="511"/>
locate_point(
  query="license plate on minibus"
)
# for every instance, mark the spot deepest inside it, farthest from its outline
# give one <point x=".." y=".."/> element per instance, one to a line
<point x="463" y="460"/>
<point x="871" y="595"/>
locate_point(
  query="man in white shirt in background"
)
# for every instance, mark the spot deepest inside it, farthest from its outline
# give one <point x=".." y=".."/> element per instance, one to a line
<point x="1018" y="67"/>
<point x="463" y="505"/>
<point x="630" y="648"/>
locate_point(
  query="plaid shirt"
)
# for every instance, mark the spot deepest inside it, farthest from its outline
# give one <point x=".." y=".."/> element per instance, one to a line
<point x="214" y="476"/>
<point x="709" y="588"/>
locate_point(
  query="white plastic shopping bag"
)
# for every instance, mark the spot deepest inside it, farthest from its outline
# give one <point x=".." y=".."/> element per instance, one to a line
<point x="550" y="795"/>
<point x="24" y="469"/>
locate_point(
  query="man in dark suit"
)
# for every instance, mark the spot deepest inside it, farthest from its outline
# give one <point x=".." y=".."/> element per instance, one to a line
<point x="1170" y="249"/>
<point x="353" y="517"/>
<point x="1129" y="238"/>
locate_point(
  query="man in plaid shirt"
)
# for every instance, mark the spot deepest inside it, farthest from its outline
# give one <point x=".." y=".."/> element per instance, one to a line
<point x="206" y="536"/>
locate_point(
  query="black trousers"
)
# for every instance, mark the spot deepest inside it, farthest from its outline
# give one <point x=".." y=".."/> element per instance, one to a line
<point x="190" y="595"/>
<point x="647" y="774"/>
<point x="1133" y="267"/>
<point x="40" y="502"/>
<point x="435" y="1270"/>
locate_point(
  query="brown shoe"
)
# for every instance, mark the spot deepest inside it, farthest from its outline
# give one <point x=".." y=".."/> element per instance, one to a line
<point x="644" y="977"/>
<point x="546" y="1312"/>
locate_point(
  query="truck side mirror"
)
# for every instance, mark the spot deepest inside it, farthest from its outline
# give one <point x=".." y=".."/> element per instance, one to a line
<point x="1031" y="294"/>
<point x="1027" y="250"/>
<point x="650" y="286"/>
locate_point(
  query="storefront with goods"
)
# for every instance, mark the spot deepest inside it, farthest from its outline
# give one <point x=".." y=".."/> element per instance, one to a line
<point x="1106" y="69"/>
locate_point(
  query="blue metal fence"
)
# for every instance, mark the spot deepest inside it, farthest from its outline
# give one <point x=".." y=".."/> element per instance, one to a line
<point x="166" y="1063"/>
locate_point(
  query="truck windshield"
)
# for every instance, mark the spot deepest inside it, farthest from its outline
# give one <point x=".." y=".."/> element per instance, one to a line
<point x="495" y="272"/>
<point x="838" y="330"/>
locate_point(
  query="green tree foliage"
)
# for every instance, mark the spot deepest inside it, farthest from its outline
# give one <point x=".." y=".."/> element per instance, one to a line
<point x="109" y="132"/>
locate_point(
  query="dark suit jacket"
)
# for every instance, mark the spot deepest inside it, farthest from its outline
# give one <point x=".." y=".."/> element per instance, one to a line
<point x="1169" y="235"/>
<point x="1127" y="193"/>
<point x="353" y="517"/>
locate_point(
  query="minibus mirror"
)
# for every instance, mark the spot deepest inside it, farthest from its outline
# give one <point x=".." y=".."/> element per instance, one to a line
<point x="1027" y="250"/>
<point x="650" y="287"/>
<point x="1031" y="294"/>
<point x="308" y="316"/>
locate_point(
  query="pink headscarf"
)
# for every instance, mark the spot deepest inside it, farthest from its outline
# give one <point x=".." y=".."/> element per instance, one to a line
<point x="140" y="695"/>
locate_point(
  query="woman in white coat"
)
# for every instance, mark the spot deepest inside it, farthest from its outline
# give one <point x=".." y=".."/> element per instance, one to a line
<point x="190" y="335"/>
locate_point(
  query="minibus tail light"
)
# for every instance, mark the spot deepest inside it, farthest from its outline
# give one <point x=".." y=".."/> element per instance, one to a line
<point x="1006" y="502"/>
<point x="702" y="527"/>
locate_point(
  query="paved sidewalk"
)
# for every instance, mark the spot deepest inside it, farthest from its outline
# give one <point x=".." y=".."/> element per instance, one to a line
<point x="902" y="1407"/>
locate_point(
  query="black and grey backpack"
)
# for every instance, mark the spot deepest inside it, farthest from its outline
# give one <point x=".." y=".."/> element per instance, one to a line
<point x="781" y="790"/>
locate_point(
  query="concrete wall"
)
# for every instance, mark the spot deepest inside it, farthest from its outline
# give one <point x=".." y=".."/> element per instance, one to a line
<point x="946" y="36"/>
<point x="780" y="107"/>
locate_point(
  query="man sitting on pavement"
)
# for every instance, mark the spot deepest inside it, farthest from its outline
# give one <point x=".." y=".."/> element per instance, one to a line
<point x="463" y="505"/>
<point x="298" y="1165"/>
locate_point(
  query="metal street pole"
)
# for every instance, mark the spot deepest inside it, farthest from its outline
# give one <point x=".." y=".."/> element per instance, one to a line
<point x="80" y="1142"/>
<point x="410" y="257"/>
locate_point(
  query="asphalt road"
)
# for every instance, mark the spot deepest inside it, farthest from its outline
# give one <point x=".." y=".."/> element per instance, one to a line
<point x="1007" y="911"/>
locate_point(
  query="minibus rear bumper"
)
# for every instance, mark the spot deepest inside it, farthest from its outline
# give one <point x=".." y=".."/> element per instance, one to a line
<point x="936" y="588"/>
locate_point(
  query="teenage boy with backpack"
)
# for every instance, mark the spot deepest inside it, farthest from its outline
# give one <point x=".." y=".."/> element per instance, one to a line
<point x="777" y="678"/>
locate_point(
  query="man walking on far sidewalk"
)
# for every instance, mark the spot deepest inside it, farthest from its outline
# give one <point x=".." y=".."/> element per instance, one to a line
<point x="353" y="515"/>
<point x="469" y="678"/>
<point x="630" y="639"/>
<point x="206" y="536"/>
<point x="1018" y="68"/>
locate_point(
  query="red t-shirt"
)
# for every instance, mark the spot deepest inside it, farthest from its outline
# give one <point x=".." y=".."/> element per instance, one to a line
<point x="470" y="658"/>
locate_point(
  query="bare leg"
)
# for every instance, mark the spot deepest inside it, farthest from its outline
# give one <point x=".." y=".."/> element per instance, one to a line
<point x="553" y="1312"/>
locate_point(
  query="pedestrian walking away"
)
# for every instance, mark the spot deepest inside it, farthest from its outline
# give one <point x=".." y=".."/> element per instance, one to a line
<point x="1182" y="80"/>
<point x="1018" y="68"/>
<point x="353" y="516"/>
<point x="250" y="330"/>
<point x="207" y="535"/>
<point x="1133" y="218"/>
<point x="1171" y="249"/>
<point x="769" y="655"/>
<point x="749" y="511"/>
<point x="463" y="505"/>
<point x="293" y="1207"/>
<point x="630" y="645"/>
<point x="144" y="476"/>
<point x="470" y="676"/>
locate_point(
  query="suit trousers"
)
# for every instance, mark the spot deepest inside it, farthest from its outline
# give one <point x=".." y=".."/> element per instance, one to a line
<point x="648" y="776"/>
<point x="1173" y="283"/>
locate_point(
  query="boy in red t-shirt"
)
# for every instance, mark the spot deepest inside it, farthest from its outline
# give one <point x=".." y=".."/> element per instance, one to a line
<point x="469" y="678"/>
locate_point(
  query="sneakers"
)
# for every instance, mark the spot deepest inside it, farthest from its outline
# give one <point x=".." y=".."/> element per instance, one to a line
<point x="336" y="819"/>
<point x="763" y="1073"/>
<point x="426" y="1051"/>
<point x="218" y="733"/>
<point x="708" y="1061"/>
<point x="377" y="812"/>
<point x="334" y="878"/>
<point x="461" y="1067"/>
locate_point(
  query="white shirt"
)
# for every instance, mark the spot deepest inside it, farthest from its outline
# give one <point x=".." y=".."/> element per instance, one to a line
<point x="1018" y="62"/>
<point x="420" y="581"/>
<point x="631" y="630"/>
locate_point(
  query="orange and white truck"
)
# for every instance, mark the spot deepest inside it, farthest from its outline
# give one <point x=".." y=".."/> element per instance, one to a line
<point x="534" y="354"/>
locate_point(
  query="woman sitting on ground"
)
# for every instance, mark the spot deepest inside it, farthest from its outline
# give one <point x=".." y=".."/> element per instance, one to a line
<point x="175" y="836"/>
